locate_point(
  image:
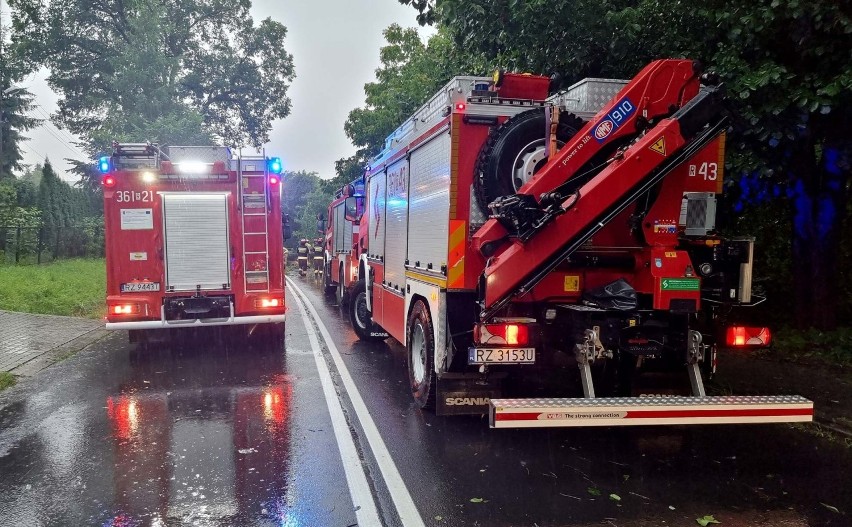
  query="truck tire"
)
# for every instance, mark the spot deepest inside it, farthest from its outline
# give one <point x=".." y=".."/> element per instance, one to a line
<point x="275" y="334"/>
<point x="341" y="290"/>
<point x="421" y="355"/>
<point x="515" y="151"/>
<point x="329" y="287"/>
<point x="359" y="317"/>
<point x="140" y="337"/>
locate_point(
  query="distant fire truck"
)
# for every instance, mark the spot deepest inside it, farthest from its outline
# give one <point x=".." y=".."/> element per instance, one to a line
<point x="341" y="239"/>
<point x="193" y="239"/>
<point x="508" y="234"/>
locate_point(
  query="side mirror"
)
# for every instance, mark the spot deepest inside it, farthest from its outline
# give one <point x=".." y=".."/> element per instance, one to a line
<point x="288" y="230"/>
<point x="321" y="225"/>
<point x="354" y="208"/>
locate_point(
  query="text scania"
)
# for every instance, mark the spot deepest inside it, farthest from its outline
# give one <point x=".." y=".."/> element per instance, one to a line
<point x="467" y="401"/>
<point x="614" y="119"/>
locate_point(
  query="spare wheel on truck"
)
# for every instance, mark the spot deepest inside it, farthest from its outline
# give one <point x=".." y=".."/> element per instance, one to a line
<point x="515" y="151"/>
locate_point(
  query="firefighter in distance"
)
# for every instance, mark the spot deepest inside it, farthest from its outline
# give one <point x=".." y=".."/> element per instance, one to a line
<point x="305" y="249"/>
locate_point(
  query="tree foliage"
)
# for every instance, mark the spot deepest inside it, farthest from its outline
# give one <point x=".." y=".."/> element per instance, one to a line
<point x="161" y="70"/>
<point x="15" y="105"/>
<point x="304" y="196"/>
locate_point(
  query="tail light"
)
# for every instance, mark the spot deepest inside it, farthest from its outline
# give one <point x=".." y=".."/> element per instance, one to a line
<point x="108" y="181"/>
<point x="502" y="334"/>
<point x="269" y="302"/>
<point x="748" y="337"/>
<point x="124" y="309"/>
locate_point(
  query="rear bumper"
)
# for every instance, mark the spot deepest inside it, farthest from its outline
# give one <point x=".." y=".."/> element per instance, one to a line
<point x="230" y="321"/>
<point x="633" y="411"/>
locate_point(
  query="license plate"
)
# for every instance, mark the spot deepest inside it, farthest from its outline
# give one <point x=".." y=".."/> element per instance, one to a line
<point x="501" y="355"/>
<point x="138" y="287"/>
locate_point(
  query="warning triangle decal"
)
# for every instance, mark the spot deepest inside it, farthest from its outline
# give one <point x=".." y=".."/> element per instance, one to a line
<point x="659" y="146"/>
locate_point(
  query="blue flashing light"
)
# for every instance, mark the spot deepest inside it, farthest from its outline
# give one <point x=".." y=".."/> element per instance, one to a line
<point x="104" y="164"/>
<point x="275" y="165"/>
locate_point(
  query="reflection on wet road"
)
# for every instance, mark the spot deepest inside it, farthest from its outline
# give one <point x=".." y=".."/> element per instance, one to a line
<point x="204" y="434"/>
<point x="209" y="433"/>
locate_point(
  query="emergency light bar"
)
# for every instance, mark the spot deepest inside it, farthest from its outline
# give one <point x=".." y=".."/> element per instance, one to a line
<point x="193" y="167"/>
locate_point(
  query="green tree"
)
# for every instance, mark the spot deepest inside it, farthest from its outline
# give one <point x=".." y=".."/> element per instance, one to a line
<point x="296" y="186"/>
<point x="159" y="70"/>
<point x="15" y="103"/>
<point x="315" y="203"/>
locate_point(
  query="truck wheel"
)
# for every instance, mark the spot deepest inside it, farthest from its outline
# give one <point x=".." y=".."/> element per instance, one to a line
<point x="359" y="317"/>
<point x="341" y="290"/>
<point x="515" y="151"/>
<point x="329" y="288"/>
<point x="421" y="352"/>
<point x="276" y="333"/>
<point x="140" y="337"/>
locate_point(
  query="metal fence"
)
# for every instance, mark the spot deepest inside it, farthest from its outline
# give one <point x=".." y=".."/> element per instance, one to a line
<point x="27" y="245"/>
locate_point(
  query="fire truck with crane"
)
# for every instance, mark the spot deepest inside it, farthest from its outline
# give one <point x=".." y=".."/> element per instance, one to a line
<point x="561" y="249"/>
<point x="194" y="238"/>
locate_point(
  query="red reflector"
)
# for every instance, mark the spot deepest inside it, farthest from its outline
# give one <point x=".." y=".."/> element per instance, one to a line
<point x="108" y="181"/>
<point x="748" y="337"/>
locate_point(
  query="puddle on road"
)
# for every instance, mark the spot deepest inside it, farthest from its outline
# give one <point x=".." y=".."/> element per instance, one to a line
<point x="199" y="435"/>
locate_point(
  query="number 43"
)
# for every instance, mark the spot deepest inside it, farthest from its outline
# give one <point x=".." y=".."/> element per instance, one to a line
<point x="709" y="171"/>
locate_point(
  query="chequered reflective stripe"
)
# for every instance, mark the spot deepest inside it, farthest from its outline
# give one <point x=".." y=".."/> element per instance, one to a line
<point x="660" y="410"/>
<point x="675" y="414"/>
<point x="458" y="239"/>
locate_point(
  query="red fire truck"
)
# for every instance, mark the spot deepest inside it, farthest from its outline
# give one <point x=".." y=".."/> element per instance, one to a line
<point x="341" y="239"/>
<point x="510" y="234"/>
<point x="193" y="238"/>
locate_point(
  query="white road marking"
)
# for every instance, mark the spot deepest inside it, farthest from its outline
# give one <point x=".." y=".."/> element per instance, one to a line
<point x="359" y="488"/>
<point x="393" y="480"/>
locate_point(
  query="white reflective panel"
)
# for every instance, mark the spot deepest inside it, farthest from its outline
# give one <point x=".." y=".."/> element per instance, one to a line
<point x="396" y="233"/>
<point x="196" y="240"/>
<point x="430" y="203"/>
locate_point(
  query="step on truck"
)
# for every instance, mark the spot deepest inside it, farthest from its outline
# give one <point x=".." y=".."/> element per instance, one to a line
<point x="562" y="249"/>
<point x="194" y="238"/>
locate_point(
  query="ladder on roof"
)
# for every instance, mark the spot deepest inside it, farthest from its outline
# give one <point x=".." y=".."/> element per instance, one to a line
<point x="254" y="205"/>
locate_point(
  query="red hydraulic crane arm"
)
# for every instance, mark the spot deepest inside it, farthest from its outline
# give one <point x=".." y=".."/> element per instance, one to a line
<point x="521" y="262"/>
<point x="657" y="91"/>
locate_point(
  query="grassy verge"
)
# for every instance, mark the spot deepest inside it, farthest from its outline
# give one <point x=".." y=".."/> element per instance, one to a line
<point x="67" y="287"/>
<point x="828" y="346"/>
<point x="7" y="380"/>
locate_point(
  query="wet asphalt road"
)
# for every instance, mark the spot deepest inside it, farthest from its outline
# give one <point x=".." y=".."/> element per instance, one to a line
<point x="213" y="435"/>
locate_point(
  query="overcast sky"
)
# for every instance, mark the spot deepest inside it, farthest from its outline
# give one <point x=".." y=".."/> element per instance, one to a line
<point x="335" y="46"/>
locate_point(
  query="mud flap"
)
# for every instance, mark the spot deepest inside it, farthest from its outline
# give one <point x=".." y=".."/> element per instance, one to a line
<point x="466" y="394"/>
